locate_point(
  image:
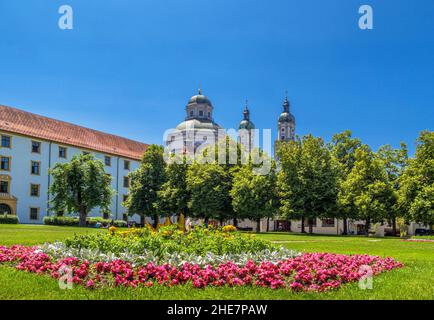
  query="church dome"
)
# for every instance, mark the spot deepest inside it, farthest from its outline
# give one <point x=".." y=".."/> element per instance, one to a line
<point x="198" y="125"/>
<point x="199" y="99"/>
<point x="246" y="124"/>
<point x="286" y="115"/>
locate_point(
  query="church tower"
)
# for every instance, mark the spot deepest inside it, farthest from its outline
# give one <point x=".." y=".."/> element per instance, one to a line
<point x="286" y="123"/>
<point x="246" y="134"/>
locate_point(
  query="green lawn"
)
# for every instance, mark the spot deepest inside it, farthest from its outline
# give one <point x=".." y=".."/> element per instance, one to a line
<point x="414" y="281"/>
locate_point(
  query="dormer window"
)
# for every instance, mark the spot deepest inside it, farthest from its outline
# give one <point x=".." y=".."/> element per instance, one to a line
<point x="201" y="113"/>
<point x="191" y="113"/>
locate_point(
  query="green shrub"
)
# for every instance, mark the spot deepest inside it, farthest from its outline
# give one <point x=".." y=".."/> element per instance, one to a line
<point x="72" y="221"/>
<point x="120" y="224"/>
<point x="60" y="221"/>
<point x="9" y="219"/>
<point x="200" y="241"/>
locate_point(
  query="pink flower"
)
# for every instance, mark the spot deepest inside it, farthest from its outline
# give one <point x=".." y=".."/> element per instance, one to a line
<point x="308" y="272"/>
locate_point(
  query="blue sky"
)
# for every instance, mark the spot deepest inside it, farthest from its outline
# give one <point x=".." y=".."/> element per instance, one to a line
<point x="129" y="67"/>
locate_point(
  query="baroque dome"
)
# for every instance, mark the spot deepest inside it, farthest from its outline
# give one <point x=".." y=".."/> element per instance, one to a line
<point x="286" y="117"/>
<point x="246" y="124"/>
<point x="199" y="99"/>
<point x="197" y="124"/>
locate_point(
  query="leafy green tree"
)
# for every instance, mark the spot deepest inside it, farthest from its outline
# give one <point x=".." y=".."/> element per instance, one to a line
<point x="254" y="195"/>
<point x="343" y="148"/>
<point x="395" y="162"/>
<point x="366" y="190"/>
<point x="209" y="185"/>
<point x="174" y="195"/>
<point x="229" y="155"/>
<point x="307" y="180"/>
<point x="416" y="194"/>
<point x="145" y="183"/>
<point x="80" y="185"/>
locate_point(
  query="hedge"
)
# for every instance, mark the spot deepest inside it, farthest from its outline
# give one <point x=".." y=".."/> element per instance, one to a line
<point x="9" y="219"/>
<point x="73" y="222"/>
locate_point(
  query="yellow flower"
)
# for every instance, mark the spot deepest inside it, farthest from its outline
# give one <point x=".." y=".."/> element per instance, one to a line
<point x="229" y="228"/>
<point x="112" y="230"/>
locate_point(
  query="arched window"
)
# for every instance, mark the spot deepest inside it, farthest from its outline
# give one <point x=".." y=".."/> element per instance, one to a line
<point x="5" y="209"/>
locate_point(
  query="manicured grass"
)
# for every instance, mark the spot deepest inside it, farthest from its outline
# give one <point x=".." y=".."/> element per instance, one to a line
<point x="414" y="281"/>
<point x="35" y="234"/>
<point x="424" y="237"/>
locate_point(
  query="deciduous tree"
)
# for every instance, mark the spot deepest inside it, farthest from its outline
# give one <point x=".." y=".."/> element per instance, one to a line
<point x="80" y="185"/>
<point x="145" y="183"/>
<point x="417" y="182"/>
<point x="254" y="195"/>
<point x="343" y="148"/>
<point x="307" y="180"/>
<point x="366" y="190"/>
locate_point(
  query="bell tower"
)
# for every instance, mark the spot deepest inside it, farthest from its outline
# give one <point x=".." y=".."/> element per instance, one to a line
<point x="286" y="123"/>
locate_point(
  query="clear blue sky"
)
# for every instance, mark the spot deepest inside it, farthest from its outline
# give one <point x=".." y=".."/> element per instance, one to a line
<point x="129" y="66"/>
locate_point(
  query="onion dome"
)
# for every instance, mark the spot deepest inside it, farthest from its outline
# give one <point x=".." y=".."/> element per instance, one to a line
<point x="199" y="99"/>
<point x="286" y="115"/>
<point x="246" y="123"/>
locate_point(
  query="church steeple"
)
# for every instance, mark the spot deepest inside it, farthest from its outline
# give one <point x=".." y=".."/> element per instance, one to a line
<point x="246" y="130"/>
<point x="286" y="122"/>
<point x="246" y="112"/>
<point x="286" y="103"/>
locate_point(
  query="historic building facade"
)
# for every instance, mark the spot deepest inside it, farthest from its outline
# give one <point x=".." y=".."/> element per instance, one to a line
<point x="33" y="144"/>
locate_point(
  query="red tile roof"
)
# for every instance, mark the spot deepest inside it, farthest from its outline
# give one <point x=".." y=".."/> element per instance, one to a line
<point x="25" y="123"/>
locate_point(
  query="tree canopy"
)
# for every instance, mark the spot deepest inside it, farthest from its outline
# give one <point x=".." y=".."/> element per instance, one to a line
<point x="80" y="186"/>
<point x="145" y="183"/>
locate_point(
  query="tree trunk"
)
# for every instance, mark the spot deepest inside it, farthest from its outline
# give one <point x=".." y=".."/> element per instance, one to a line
<point x="235" y="222"/>
<point x="345" y="232"/>
<point x="310" y="226"/>
<point x="206" y="221"/>
<point x="268" y="224"/>
<point x="367" y="225"/>
<point x="258" y="225"/>
<point x="221" y="221"/>
<point x="156" y="220"/>
<point x="302" y="225"/>
<point x="142" y="220"/>
<point x="83" y="216"/>
<point x="105" y="215"/>
<point x="394" y="226"/>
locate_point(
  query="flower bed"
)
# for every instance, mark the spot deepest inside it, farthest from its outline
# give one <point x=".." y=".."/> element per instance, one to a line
<point x="201" y="241"/>
<point x="59" y="250"/>
<point x="307" y="272"/>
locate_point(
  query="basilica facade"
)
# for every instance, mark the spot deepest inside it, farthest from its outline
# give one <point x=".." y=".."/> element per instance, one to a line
<point x="199" y="129"/>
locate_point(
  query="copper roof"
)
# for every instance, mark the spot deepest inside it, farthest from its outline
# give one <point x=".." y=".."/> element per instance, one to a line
<point x="36" y="126"/>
